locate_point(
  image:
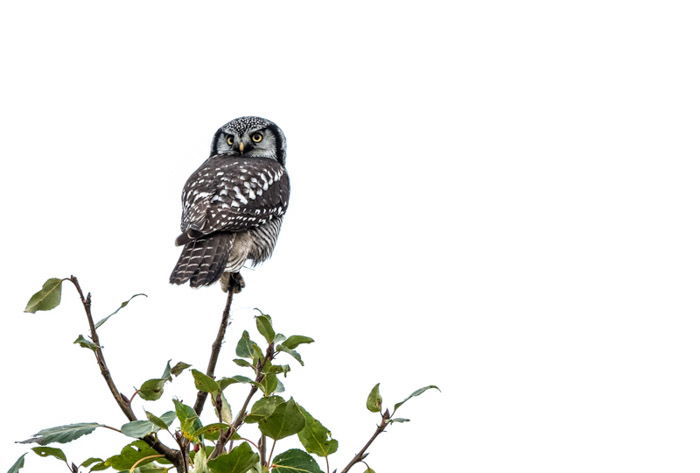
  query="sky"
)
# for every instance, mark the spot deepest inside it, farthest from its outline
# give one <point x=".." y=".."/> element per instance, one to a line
<point x="499" y="198"/>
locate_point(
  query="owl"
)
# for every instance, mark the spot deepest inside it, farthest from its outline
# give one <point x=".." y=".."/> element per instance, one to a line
<point x="233" y="205"/>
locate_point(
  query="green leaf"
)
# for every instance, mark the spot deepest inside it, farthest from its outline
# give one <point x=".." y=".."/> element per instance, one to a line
<point x="415" y="393"/>
<point x="17" y="465"/>
<point x="50" y="452"/>
<point x="179" y="368"/>
<point x="168" y="417"/>
<point x="101" y="465"/>
<point x="242" y="362"/>
<point x="263" y="408"/>
<point x="200" y="462"/>
<point x="138" y="428"/>
<point x="226" y="413"/>
<point x="315" y="437"/>
<point x="97" y="464"/>
<point x="269" y="384"/>
<point x="247" y="348"/>
<point x="295" y="354"/>
<point x="369" y="470"/>
<point x="162" y="422"/>
<point x="90" y="461"/>
<point x="62" y="433"/>
<point x="189" y="420"/>
<point x="167" y="372"/>
<point x="374" y="400"/>
<point x="123" y="304"/>
<point x="264" y="324"/>
<point x="226" y="382"/>
<point x="400" y="420"/>
<point x="287" y="419"/>
<point x="210" y="429"/>
<point x="296" y="340"/>
<point x="152" y="468"/>
<point x="129" y="455"/>
<point x="204" y="383"/>
<point x="208" y="449"/>
<point x="85" y="343"/>
<point x="240" y="460"/>
<point x="279" y="369"/>
<point x="47" y="298"/>
<point x="152" y="389"/>
<point x="295" y="461"/>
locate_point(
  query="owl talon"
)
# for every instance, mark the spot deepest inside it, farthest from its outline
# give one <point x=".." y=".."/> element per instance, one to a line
<point x="232" y="281"/>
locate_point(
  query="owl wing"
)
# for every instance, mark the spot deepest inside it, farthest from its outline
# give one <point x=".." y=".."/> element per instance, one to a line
<point x="232" y="195"/>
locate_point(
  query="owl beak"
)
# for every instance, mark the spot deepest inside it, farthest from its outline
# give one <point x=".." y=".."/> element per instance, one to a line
<point x="241" y="146"/>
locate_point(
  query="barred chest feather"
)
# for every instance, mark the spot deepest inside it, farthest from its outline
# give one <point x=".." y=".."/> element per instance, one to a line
<point x="255" y="245"/>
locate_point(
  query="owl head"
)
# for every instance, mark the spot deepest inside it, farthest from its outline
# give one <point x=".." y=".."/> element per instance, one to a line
<point x="250" y="137"/>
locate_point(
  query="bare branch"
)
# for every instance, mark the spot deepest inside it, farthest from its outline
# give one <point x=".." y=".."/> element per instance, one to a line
<point x="215" y="350"/>
<point x="122" y="401"/>
<point x="262" y="446"/>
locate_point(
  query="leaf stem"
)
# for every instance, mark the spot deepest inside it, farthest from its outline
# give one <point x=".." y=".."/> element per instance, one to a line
<point x="150" y="457"/>
<point x="252" y="443"/>
<point x="215" y="350"/>
<point x="131" y="399"/>
<point x="111" y="428"/>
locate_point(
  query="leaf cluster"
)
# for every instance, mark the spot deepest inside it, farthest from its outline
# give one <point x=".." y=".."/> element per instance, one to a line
<point x="222" y="446"/>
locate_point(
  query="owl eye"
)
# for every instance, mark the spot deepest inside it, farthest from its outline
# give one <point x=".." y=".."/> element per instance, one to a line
<point x="229" y="140"/>
<point x="256" y="137"/>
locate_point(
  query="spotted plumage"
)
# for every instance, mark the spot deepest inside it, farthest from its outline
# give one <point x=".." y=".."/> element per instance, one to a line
<point x="232" y="206"/>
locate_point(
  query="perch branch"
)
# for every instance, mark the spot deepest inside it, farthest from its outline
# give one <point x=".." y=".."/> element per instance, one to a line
<point x="215" y="350"/>
<point x="123" y="402"/>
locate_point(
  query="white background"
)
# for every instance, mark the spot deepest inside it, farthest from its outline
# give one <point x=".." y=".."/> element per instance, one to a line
<point x="498" y="197"/>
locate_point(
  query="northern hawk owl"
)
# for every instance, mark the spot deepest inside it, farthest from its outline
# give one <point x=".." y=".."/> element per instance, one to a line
<point x="232" y="206"/>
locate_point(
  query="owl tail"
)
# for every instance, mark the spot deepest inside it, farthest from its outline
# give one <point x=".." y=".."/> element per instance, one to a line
<point x="203" y="261"/>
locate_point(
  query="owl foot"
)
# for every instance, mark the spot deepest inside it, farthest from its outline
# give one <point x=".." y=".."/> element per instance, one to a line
<point x="232" y="281"/>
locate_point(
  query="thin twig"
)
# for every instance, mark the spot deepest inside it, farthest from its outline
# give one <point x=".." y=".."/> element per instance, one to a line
<point x="226" y="435"/>
<point x="361" y="454"/>
<point x="142" y="460"/>
<point x="119" y="397"/>
<point x="122" y="401"/>
<point x="272" y="450"/>
<point x="215" y="350"/>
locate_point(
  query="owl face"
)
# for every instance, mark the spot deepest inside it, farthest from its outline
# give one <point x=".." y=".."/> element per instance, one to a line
<point x="250" y="137"/>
